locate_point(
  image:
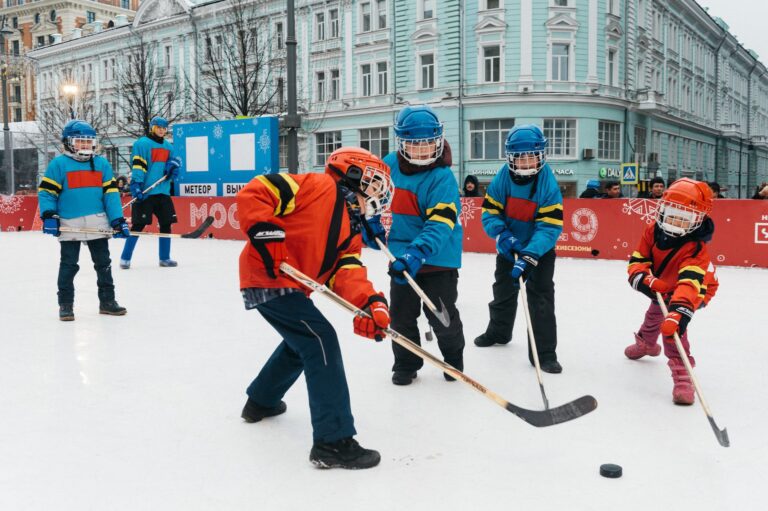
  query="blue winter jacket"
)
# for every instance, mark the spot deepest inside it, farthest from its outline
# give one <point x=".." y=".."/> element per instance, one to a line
<point x="532" y="212"/>
<point x="425" y="211"/>
<point x="74" y="189"/>
<point x="148" y="159"/>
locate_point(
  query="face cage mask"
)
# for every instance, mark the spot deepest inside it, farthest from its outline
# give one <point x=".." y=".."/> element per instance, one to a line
<point x="678" y="220"/>
<point x="419" y="142"/>
<point x="512" y="157"/>
<point x="378" y="189"/>
<point x="82" y="154"/>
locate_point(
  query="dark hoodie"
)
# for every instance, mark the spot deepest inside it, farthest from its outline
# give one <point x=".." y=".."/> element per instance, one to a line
<point x="471" y="193"/>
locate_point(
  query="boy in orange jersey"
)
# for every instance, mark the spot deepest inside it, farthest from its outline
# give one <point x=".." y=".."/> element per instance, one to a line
<point x="313" y="222"/>
<point x="672" y="259"/>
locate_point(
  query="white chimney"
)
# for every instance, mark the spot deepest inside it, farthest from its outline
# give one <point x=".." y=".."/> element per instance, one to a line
<point x="76" y="33"/>
<point x="96" y="25"/>
<point x="120" y="20"/>
<point x="56" y="38"/>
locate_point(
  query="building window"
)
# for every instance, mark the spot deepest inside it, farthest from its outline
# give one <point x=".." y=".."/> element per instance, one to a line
<point x="491" y="64"/>
<point x="37" y="18"/>
<point x="427" y="10"/>
<point x="611" y="78"/>
<point x="17" y="115"/>
<point x="562" y="137"/>
<point x="333" y="18"/>
<point x="50" y="39"/>
<point x="562" y="3"/>
<point x="365" y="78"/>
<point x="640" y="145"/>
<point x="381" y="77"/>
<point x="15" y="48"/>
<point x="492" y="4"/>
<point x="15" y="22"/>
<point x="560" y="62"/>
<point x="381" y="13"/>
<point x="52" y="15"/>
<point x="609" y="141"/>
<point x="427" y="68"/>
<point x="487" y="138"/>
<point x="168" y="57"/>
<point x="613" y="7"/>
<point x="365" y="16"/>
<point x="209" y="99"/>
<point x="325" y="144"/>
<point x="320" y="26"/>
<point x="279" y="35"/>
<point x="375" y="140"/>
<point x="126" y="4"/>
<point x="320" y="86"/>
<point x="16" y="98"/>
<point x="283" y="151"/>
<point x="90" y="16"/>
<point x="40" y="41"/>
<point x="335" y="84"/>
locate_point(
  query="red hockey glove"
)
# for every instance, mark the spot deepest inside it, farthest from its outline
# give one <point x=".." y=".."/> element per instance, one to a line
<point x="373" y="326"/>
<point x="647" y="284"/>
<point x="676" y="321"/>
<point x="269" y="241"/>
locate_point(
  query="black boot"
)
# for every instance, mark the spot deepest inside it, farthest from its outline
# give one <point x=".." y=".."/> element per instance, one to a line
<point x="66" y="313"/>
<point x="459" y="364"/>
<point x="551" y="366"/>
<point x="483" y="341"/>
<point x="403" y="377"/>
<point x="253" y="412"/>
<point x="344" y="453"/>
<point x="112" y="308"/>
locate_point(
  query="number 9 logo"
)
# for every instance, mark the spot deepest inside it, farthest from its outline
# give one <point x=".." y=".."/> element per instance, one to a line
<point x="584" y="220"/>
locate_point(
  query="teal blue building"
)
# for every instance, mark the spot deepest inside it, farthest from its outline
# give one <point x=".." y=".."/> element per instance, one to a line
<point x="659" y="83"/>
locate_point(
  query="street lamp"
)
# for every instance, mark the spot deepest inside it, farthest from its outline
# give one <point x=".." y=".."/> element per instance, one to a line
<point x="70" y="91"/>
<point x="7" y="157"/>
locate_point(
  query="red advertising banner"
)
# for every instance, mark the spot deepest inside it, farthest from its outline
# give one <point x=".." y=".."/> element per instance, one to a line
<point x="592" y="228"/>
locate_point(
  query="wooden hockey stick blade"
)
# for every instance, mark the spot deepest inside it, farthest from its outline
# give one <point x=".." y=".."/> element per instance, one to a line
<point x="721" y="434"/>
<point x="200" y="230"/>
<point x="557" y="415"/>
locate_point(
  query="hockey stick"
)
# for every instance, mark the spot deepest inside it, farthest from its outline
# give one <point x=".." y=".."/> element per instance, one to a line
<point x="543" y="418"/>
<point x="532" y="340"/>
<point x="441" y="315"/>
<point x="147" y="190"/>
<point x="721" y="434"/>
<point x="189" y="235"/>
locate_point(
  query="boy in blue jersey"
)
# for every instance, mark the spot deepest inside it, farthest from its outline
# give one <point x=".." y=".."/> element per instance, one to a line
<point x="523" y="211"/>
<point x="79" y="191"/>
<point x="425" y="237"/>
<point x="152" y="158"/>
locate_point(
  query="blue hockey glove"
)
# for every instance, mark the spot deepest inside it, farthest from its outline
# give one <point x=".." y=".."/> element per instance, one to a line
<point x="507" y="245"/>
<point x="172" y="168"/>
<point x="51" y="223"/>
<point x="121" y="228"/>
<point x="523" y="267"/>
<point x="373" y="230"/>
<point x="136" y="191"/>
<point x="411" y="262"/>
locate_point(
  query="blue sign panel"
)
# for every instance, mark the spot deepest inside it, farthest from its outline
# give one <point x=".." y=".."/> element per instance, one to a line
<point x="220" y="157"/>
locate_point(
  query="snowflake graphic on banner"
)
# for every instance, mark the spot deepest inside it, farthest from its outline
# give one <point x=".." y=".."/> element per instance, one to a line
<point x="10" y="204"/>
<point x="468" y="211"/>
<point x="212" y="150"/>
<point x="646" y="208"/>
<point x="264" y="142"/>
<point x="218" y="132"/>
<point x="179" y="131"/>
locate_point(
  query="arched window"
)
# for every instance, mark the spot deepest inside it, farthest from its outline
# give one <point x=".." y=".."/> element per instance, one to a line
<point x="53" y="15"/>
<point x="37" y="18"/>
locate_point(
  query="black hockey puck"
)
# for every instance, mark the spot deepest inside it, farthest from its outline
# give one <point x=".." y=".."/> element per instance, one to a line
<point x="610" y="470"/>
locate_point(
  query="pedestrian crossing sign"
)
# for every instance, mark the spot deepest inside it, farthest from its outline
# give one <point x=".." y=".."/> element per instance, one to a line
<point x="629" y="173"/>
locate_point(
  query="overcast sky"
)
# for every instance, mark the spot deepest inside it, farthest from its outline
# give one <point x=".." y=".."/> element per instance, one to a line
<point x="746" y="19"/>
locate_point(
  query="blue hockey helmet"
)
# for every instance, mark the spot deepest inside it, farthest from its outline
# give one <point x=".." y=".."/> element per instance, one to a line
<point x="76" y="131"/>
<point x="160" y="122"/>
<point x="419" y="135"/>
<point x="525" y="148"/>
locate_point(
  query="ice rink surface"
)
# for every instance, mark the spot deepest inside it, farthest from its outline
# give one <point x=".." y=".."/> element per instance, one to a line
<point x="143" y="411"/>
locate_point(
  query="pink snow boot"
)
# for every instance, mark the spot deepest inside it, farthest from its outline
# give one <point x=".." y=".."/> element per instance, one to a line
<point x="683" y="392"/>
<point x="641" y="349"/>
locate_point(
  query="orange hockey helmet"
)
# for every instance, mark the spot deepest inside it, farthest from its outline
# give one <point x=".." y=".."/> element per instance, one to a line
<point x="365" y="173"/>
<point x="684" y="206"/>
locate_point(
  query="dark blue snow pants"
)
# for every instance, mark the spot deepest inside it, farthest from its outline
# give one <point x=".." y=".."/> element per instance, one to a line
<point x="309" y="345"/>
